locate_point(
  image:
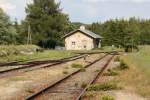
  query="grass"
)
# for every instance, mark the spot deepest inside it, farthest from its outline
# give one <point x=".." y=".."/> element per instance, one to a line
<point x="138" y="74"/>
<point x="46" y="55"/>
<point x="103" y="49"/>
<point x="83" y="85"/>
<point x="83" y="70"/>
<point x="6" y="50"/>
<point x="107" y="97"/>
<point x="65" y="72"/>
<point x="104" y="86"/>
<point x="88" y="95"/>
<point x="29" y="90"/>
<point x="123" y="65"/>
<point x="76" y="84"/>
<point x="17" y="78"/>
<point x="111" y="72"/>
<point x="13" y="53"/>
<point x="117" y="59"/>
<point x="74" y="65"/>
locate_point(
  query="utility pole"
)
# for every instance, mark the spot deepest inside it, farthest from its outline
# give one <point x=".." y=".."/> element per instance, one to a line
<point x="29" y="40"/>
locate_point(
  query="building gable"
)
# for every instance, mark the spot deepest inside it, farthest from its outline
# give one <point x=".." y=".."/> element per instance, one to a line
<point x="86" y="32"/>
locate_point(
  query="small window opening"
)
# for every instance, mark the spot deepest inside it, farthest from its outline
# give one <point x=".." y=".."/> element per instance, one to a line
<point x="73" y="43"/>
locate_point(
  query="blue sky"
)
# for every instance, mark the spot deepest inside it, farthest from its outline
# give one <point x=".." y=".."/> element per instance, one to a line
<point x="87" y="11"/>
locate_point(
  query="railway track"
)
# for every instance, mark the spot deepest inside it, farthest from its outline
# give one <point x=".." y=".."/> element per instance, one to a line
<point x="70" y="87"/>
<point x="16" y="63"/>
<point x="34" y="66"/>
<point x="94" y="79"/>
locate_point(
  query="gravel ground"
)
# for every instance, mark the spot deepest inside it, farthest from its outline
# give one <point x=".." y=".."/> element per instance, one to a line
<point x="23" y="85"/>
<point x="71" y="87"/>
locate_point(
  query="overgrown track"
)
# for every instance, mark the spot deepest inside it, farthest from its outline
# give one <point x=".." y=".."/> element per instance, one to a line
<point x="43" y="65"/>
<point x="94" y="79"/>
<point x="16" y="63"/>
<point x="68" y="78"/>
<point x="117" y="52"/>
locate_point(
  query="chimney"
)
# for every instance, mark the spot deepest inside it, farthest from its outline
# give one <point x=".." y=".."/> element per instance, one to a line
<point x="82" y="27"/>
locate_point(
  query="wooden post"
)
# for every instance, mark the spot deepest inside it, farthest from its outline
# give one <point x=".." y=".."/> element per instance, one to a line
<point x="29" y="40"/>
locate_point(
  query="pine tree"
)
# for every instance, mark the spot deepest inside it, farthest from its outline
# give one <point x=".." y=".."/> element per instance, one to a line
<point x="47" y="22"/>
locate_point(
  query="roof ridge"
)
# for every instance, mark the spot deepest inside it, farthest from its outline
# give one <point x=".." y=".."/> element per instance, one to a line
<point x="88" y="32"/>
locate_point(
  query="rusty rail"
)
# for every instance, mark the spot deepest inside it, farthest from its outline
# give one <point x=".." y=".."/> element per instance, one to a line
<point x="93" y="80"/>
<point x="63" y="79"/>
<point x="15" y="63"/>
<point x="57" y="63"/>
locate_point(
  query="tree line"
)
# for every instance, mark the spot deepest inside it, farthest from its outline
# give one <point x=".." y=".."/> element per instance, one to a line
<point x="47" y="24"/>
<point x="123" y="32"/>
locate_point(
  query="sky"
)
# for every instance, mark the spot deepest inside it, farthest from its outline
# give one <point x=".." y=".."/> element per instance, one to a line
<point x="86" y="11"/>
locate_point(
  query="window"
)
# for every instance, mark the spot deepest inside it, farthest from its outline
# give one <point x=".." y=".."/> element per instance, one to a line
<point x="73" y="43"/>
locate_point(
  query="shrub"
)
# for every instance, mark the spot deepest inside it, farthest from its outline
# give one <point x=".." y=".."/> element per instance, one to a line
<point x="88" y="95"/>
<point x="76" y="65"/>
<point x="65" y="72"/>
<point x="117" y="59"/>
<point x="66" y="67"/>
<point x="123" y="65"/>
<point x="76" y="84"/>
<point x="97" y="70"/>
<point x="83" y="85"/>
<point x="29" y="91"/>
<point x="107" y="98"/>
<point x="111" y="72"/>
<point x="103" y="87"/>
<point x="82" y="69"/>
<point x="18" y="78"/>
<point x="6" y="50"/>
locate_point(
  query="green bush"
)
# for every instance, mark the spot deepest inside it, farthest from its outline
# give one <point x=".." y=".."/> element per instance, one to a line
<point x="6" y="50"/>
<point x="82" y="69"/>
<point x="76" y="65"/>
<point x="117" y="59"/>
<point x="65" y="72"/>
<point x="83" y="85"/>
<point x="123" y="65"/>
<point x="111" y="72"/>
<point x="107" y="98"/>
<point x="88" y="95"/>
<point x="103" y="87"/>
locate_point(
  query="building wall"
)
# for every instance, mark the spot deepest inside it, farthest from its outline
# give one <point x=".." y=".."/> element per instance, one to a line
<point x="79" y="41"/>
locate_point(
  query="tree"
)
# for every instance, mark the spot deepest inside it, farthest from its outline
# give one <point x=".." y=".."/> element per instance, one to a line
<point x="125" y="33"/>
<point x="47" y="22"/>
<point x="7" y="31"/>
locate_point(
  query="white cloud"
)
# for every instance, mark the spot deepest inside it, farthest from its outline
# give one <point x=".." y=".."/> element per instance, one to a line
<point x="134" y="1"/>
<point x="6" y="6"/>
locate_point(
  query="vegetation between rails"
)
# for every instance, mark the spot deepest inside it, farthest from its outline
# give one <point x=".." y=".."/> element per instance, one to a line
<point x="104" y="86"/>
<point x="74" y="65"/>
<point x="111" y="72"/>
<point x="107" y="97"/>
<point x="65" y="72"/>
